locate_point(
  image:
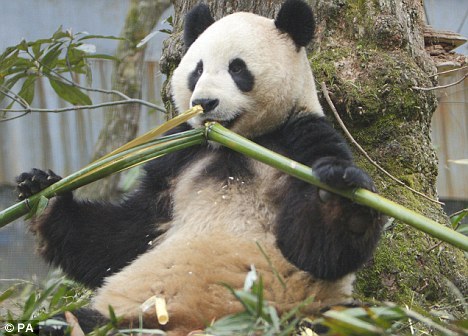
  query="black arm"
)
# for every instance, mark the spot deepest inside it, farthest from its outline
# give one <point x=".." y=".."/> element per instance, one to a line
<point x="92" y="240"/>
<point x="324" y="234"/>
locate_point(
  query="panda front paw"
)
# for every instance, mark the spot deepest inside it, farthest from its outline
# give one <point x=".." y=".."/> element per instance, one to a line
<point x="28" y="184"/>
<point x="341" y="174"/>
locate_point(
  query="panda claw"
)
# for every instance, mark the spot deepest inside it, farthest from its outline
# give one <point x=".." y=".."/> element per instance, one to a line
<point x="34" y="181"/>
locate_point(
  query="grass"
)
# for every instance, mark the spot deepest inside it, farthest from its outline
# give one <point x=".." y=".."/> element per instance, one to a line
<point x="39" y="303"/>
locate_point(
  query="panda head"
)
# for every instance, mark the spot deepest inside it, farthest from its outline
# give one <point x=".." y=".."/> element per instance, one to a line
<point x="249" y="73"/>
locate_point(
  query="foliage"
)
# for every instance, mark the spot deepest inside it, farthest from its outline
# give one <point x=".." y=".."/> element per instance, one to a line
<point x="37" y="303"/>
<point x="456" y="221"/>
<point x="40" y="304"/>
<point x="57" y="58"/>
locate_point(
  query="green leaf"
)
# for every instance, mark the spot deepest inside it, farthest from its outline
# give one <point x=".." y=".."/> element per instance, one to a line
<point x="8" y="62"/>
<point x="107" y="37"/>
<point x="7" y="53"/>
<point x="463" y="229"/>
<point x="8" y="293"/>
<point x="10" y="83"/>
<point x="23" y="45"/>
<point x="42" y="205"/>
<point x="36" y="48"/>
<point x="58" y="296"/>
<point x="29" y="306"/>
<point x="69" y="92"/>
<point x="51" y="58"/>
<point x="28" y="88"/>
<point x="59" y="34"/>
<point x="102" y="56"/>
<point x="456" y="219"/>
<point x="348" y="322"/>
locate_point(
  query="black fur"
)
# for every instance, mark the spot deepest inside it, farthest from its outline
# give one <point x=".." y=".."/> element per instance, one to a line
<point x="88" y="320"/>
<point x="92" y="240"/>
<point x="195" y="76"/>
<point x="296" y="19"/>
<point x="328" y="237"/>
<point x="241" y="75"/>
<point x="196" y="21"/>
<point x="207" y="104"/>
<point x="333" y="238"/>
<point x="28" y="184"/>
<point x="228" y="165"/>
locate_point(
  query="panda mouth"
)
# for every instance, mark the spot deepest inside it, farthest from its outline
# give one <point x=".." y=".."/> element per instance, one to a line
<point x="224" y="123"/>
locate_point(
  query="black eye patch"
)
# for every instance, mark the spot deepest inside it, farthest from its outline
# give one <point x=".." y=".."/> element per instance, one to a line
<point x="241" y="75"/>
<point x="195" y="76"/>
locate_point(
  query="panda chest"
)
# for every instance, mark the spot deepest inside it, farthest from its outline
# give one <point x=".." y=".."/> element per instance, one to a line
<point x="234" y="198"/>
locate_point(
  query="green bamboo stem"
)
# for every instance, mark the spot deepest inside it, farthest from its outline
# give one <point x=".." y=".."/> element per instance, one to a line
<point x="218" y="133"/>
<point x="102" y="168"/>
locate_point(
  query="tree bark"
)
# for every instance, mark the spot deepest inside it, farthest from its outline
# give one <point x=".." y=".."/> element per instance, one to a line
<point x="371" y="55"/>
<point x="121" y="122"/>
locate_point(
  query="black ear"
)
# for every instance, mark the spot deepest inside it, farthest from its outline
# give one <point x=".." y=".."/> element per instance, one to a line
<point x="296" y="18"/>
<point x="196" y="21"/>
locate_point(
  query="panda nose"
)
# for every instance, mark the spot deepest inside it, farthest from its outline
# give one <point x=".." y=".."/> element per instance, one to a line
<point x="207" y="104"/>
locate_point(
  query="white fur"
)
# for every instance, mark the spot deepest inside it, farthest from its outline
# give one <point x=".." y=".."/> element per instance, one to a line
<point x="283" y="79"/>
<point x="216" y="225"/>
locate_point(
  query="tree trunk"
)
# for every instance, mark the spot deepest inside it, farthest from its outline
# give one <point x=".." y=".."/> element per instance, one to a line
<point x="121" y="122"/>
<point x="371" y="55"/>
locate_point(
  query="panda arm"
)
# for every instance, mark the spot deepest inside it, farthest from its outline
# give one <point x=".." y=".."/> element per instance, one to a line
<point x="91" y="240"/>
<point x="324" y="234"/>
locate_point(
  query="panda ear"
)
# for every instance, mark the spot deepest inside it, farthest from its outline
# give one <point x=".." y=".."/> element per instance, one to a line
<point x="196" y="21"/>
<point x="297" y="19"/>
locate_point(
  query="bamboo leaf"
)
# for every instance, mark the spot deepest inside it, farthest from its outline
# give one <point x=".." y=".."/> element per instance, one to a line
<point x="351" y="323"/>
<point x="107" y="37"/>
<point x="60" y="34"/>
<point x="7" y="293"/>
<point x="28" y="88"/>
<point x="36" y="49"/>
<point x="69" y="92"/>
<point x="8" y="62"/>
<point x="456" y="219"/>
<point x="102" y="56"/>
<point x="57" y="297"/>
<point x="51" y="58"/>
<point x="23" y="45"/>
<point x="170" y="124"/>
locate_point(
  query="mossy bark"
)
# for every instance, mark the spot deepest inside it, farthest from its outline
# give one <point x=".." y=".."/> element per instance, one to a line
<point x="371" y="56"/>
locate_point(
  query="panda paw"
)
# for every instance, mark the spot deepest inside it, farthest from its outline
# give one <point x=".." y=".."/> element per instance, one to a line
<point x="341" y="174"/>
<point x="28" y="184"/>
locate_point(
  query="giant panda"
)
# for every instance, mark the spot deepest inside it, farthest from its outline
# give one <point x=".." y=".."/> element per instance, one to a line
<point x="201" y="217"/>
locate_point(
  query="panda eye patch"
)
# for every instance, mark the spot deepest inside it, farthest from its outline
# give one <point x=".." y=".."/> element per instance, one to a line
<point x="195" y="75"/>
<point x="237" y="66"/>
<point x="241" y="75"/>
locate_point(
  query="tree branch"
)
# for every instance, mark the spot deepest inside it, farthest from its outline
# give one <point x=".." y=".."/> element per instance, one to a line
<point x="449" y="71"/>
<point x="86" y="107"/>
<point x="363" y="152"/>
<point x="441" y="86"/>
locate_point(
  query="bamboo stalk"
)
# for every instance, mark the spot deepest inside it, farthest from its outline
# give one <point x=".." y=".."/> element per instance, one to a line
<point x="215" y="132"/>
<point x="107" y="166"/>
<point x="218" y="133"/>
